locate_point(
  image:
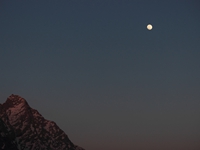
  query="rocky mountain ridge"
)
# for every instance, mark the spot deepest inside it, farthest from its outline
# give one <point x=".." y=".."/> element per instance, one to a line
<point x="24" y="128"/>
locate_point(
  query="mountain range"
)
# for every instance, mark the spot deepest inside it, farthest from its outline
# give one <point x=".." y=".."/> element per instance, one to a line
<point x="24" y="128"/>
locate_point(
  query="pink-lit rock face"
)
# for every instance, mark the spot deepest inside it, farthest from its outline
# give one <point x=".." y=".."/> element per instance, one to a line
<point x="24" y="128"/>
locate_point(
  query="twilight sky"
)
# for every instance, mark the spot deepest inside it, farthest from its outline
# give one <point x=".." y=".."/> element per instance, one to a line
<point x="93" y="68"/>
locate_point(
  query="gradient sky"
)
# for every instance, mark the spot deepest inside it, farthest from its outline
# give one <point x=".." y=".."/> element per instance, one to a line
<point x="93" y="68"/>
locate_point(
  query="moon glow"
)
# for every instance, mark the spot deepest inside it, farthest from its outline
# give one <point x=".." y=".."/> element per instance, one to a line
<point x="149" y="27"/>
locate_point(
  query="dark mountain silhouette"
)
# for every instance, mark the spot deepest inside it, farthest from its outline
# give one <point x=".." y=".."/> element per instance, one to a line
<point x="24" y="128"/>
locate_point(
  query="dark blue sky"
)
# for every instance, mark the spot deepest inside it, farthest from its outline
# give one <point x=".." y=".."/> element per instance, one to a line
<point x="93" y="68"/>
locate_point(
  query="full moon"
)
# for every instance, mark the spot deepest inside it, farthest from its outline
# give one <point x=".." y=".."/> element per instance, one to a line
<point x="149" y="27"/>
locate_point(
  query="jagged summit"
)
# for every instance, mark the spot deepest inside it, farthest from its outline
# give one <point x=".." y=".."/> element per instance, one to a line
<point x="30" y="129"/>
<point x="16" y="98"/>
<point x="14" y="101"/>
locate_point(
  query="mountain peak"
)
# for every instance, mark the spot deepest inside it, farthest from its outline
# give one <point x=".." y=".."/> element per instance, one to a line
<point x="30" y="129"/>
<point x="15" y="108"/>
<point x="16" y="99"/>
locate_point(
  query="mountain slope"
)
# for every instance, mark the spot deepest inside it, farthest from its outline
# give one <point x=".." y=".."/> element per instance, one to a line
<point x="29" y="129"/>
<point x="7" y="138"/>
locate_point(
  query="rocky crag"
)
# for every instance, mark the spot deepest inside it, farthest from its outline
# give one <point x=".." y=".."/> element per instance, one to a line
<point x="24" y="128"/>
